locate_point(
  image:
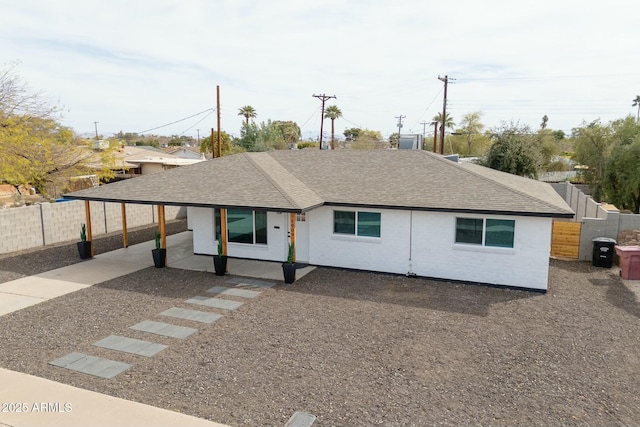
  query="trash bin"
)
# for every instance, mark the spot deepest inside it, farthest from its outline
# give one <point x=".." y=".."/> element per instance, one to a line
<point x="603" y="251"/>
<point x="629" y="262"/>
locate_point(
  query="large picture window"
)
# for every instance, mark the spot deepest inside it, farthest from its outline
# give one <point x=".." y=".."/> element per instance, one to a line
<point x="366" y="224"/>
<point x="486" y="232"/>
<point x="247" y="226"/>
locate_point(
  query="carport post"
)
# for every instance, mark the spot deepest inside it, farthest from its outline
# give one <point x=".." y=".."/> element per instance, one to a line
<point x="162" y="227"/>
<point x="223" y="230"/>
<point x="87" y="212"/>
<point x="125" y="236"/>
<point x="292" y="233"/>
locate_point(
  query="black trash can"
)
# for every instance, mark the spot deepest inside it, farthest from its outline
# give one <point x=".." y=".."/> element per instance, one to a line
<point x="603" y="252"/>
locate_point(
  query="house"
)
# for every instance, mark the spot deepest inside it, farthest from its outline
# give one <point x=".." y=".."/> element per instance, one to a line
<point x="396" y="211"/>
<point x="185" y="152"/>
<point x="146" y="160"/>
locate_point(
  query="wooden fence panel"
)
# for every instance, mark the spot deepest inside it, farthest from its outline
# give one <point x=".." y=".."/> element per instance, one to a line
<point x="565" y="239"/>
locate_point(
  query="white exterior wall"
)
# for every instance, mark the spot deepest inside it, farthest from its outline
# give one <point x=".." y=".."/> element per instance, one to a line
<point x="202" y="222"/>
<point x="389" y="253"/>
<point x="420" y="243"/>
<point x="525" y="265"/>
<point x="432" y="251"/>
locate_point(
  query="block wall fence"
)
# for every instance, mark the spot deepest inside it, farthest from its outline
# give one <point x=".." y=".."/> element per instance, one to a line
<point x="48" y="223"/>
<point x="596" y="220"/>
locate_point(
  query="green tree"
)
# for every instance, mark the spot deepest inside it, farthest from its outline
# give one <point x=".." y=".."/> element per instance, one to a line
<point x="35" y="149"/>
<point x="545" y="121"/>
<point x="332" y="112"/>
<point x="394" y="139"/>
<point x="352" y="134"/>
<point x="592" y="144"/>
<point x="471" y="129"/>
<point x="636" y="103"/>
<point x="621" y="182"/>
<point x="513" y="151"/>
<point x="248" y="112"/>
<point x="287" y="131"/>
<point x="448" y="123"/>
<point x="225" y="141"/>
<point x="369" y="140"/>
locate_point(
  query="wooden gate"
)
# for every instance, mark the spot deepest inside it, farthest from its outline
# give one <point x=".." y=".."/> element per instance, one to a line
<point x="565" y="239"/>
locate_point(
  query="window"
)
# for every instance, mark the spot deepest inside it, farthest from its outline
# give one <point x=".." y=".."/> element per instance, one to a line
<point x="487" y="232"/>
<point x="247" y="226"/>
<point x="365" y="224"/>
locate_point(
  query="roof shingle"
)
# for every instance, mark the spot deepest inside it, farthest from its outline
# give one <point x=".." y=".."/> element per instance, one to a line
<point x="300" y="180"/>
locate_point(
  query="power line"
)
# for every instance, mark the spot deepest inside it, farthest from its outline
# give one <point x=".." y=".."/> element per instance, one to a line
<point x="178" y="121"/>
<point x="196" y="123"/>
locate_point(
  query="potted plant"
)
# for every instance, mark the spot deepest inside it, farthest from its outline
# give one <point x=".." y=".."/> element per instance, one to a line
<point x="159" y="254"/>
<point x="289" y="267"/>
<point x="220" y="261"/>
<point x="84" y="245"/>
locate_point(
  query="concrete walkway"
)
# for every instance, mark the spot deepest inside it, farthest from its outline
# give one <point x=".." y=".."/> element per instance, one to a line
<point x="44" y="402"/>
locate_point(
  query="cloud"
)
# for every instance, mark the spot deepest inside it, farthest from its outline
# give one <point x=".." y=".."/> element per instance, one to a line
<point x="137" y="65"/>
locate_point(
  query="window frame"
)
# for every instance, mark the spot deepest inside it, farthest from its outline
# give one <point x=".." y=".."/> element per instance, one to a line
<point x="358" y="225"/>
<point x="257" y="234"/>
<point x="484" y="230"/>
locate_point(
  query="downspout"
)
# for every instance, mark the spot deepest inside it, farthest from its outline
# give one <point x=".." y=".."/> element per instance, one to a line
<point x="410" y="273"/>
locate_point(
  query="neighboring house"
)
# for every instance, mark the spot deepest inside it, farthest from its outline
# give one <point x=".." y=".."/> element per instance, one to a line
<point x="185" y="152"/>
<point x="136" y="161"/>
<point x="397" y="211"/>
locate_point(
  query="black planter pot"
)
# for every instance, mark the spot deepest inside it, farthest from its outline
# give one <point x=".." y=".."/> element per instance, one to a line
<point x="159" y="257"/>
<point x="289" y="271"/>
<point x="84" y="249"/>
<point x="220" y="264"/>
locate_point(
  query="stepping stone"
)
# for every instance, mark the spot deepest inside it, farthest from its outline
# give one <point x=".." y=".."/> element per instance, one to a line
<point x="164" y="329"/>
<point x="301" y="419"/>
<point x="223" y="290"/>
<point x="253" y="283"/>
<point x="130" y="345"/>
<point x="97" y="366"/>
<point x="215" y="302"/>
<point x="194" y="315"/>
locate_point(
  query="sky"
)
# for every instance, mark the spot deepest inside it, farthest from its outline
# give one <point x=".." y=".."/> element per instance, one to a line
<point x="139" y="65"/>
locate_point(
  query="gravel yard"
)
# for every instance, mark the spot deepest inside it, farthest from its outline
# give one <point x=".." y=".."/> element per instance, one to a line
<point x="352" y="348"/>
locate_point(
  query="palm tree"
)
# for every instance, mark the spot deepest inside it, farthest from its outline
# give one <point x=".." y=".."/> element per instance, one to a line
<point x="636" y="103"/>
<point x="248" y="112"/>
<point x="332" y="112"/>
<point x="448" y="123"/>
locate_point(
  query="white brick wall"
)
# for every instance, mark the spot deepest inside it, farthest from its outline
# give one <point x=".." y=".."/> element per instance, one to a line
<point x="32" y="226"/>
<point x="432" y="252"/>
<point x="202" y="222"/>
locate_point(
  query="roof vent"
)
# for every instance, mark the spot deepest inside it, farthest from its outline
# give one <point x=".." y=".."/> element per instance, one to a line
<point x="452" y="157"/>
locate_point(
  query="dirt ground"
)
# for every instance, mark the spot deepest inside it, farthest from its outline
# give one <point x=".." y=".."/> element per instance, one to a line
<point x="352" y="348"/>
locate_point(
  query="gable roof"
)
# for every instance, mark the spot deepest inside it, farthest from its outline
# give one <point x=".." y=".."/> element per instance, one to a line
<point x="300" y="180"/>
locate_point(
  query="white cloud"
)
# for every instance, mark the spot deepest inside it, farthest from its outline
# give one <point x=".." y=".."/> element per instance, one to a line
<point x="134" y="65"/>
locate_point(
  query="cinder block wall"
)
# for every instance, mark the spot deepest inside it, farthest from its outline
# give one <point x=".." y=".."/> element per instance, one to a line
<point x="32" y="226"/>
<point x="20" y="228"/>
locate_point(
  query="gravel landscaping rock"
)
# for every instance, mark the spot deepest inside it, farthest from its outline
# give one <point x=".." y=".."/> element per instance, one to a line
<point x="353" y="348"/>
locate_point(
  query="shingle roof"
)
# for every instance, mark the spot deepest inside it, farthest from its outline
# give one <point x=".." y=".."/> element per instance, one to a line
<point x="299" y="180"/>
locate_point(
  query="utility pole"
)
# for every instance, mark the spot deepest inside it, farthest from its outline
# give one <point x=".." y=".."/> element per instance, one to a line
<point x="219" y="130"/>
<point x="400" y="117"/>
<point x="323" y="98"/>
<point x="198" y="137"/>
<point x="96" y="125"/>
<point x="424" y="128"/>
<point x="444" y="112"/>
<point x="213" y="148"/>
<point x="435" y="137"/>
